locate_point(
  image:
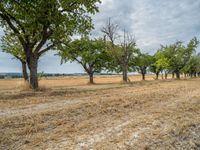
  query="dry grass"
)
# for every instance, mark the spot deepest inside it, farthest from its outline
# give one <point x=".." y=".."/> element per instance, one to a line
<point x="71" y="115"/>
<point x="70" y="81"/>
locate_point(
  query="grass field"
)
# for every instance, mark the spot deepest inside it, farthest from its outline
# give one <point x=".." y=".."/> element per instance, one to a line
<point x="69" y="114"/>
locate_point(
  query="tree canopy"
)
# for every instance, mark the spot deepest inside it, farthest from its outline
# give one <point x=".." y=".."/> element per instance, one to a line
<point x="11" y="45"/>
<point x="178" y="55"/>
<point x="141" y="63"/>
<point x="90" y="54"/>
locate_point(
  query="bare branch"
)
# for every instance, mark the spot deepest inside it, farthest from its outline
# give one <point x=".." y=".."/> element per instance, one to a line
<point x="110" y="30"/>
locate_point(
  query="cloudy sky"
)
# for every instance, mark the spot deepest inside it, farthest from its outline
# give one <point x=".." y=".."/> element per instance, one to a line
<point x="152" y="22"/>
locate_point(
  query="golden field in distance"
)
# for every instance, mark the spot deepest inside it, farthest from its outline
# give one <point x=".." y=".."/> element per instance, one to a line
<point x="53" y="82"/>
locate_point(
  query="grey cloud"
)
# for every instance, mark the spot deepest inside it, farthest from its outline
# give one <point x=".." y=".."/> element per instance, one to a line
<point x="153" y="22"/>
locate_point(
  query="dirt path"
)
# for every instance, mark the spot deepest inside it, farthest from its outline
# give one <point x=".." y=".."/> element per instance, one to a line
<point x="38" y="108"/>
<point x="165" y="115"/>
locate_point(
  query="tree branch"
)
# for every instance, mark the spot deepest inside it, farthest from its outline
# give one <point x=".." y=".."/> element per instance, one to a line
<point x="46" y="49"/>
<point x="5" y="13"/>
<point x="84" y="65"/>
<point x="15" y="30"/>
<point x="70" y="6"/>
<point x="46" y="35"/>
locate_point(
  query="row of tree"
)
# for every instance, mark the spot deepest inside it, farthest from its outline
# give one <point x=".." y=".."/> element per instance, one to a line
<point x="99" y="55"/>
<point x="34" y="27"/>
<point x="118" y="53"/>
<point x="174" y="58"/>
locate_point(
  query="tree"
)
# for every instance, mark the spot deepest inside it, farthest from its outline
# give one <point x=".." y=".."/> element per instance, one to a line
<point x="41" y="25"/>
<point x="155" y="68"/>
<point x="178" y="55"/>
<point x="11" y="45"/>
<point x="190" y="60"/>
<point x="142" y="62"/>
<point x="162" y="63"/>
<point x="88" y="53"/>
<point x="123" y="52"/>
<point x="193" y="66"/>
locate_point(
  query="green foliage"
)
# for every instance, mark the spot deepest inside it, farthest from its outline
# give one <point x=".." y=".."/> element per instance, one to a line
<point x="33" y="19"/>
<point x="11" y="45"/>
<point x="111" y="63"/>
<point x="177" y="55"/>
<point x="161" y="61"/>
<point x="142" y="62"/>
<point x="120" y="56"/>
<point x="192" y="66"/>
<point x="89" y="53"/>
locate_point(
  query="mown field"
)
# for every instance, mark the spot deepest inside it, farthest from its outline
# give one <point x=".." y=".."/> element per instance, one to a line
<point x="69" y="114"/>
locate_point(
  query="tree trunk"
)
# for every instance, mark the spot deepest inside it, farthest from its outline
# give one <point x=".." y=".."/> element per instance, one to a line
<point x="166" y="75"/>
<point x="191" y="75"/>
<point x="162" y="76"/>
<point x="91" y="80"/>
<point x="24" y="71"/>
<point x="143" y="76"/>
<point x="195" y="75"/>
<point x="177" y="75"/>
<point x="172" y="75"/>
<point x="185" y="75"/>
<point x="125" y="74"/>
<point x="157" y="75"/>
<point x="143" y="72"/>
<point x="32" y="65"/>
<point x="32" y="62"/>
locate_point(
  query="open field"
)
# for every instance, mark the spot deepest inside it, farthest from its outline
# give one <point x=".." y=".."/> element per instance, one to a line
<point x="70" y="81"/>
<point x="69" y="114"/>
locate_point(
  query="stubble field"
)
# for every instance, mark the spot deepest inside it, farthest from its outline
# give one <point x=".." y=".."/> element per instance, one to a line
<point x="69" y="114"/>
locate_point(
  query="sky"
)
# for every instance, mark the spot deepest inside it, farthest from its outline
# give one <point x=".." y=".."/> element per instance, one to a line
<point x="151" y="22"/>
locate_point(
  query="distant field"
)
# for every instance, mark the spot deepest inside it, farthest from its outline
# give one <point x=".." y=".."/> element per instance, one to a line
<point x="69" y="114"/>
<point x="71" y="81"/>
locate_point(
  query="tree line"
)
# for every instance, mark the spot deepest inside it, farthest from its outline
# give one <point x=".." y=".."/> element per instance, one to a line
<point x="34" y="27"/>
